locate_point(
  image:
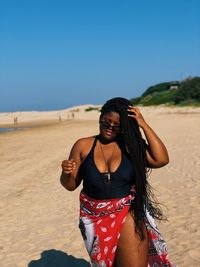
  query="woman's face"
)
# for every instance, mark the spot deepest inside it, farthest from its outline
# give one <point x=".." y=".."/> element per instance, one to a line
<point x="110" y="125"/>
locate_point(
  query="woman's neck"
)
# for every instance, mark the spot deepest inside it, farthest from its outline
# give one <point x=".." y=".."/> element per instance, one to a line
<point x="105" y="141"/>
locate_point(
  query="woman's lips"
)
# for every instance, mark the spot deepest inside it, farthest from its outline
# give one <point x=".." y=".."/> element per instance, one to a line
<point x="108" y="132"/>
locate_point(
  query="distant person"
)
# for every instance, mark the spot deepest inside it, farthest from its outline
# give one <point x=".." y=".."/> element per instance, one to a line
<point x="15" y="120"/>
<point x="73" y="116"/>
<point x="116" y="208"/>
<point x="60" y="119"/>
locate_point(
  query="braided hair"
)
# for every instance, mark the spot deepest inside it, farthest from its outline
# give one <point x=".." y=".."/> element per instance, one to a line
<point x="131" y="139"/>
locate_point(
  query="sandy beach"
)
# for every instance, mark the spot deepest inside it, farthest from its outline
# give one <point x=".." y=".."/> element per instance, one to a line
<point x="39" y="218"/>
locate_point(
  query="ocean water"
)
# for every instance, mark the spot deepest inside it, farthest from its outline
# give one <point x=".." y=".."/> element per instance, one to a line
<point x="3" y="130"/>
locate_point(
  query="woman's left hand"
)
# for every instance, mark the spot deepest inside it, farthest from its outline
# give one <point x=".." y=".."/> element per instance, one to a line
<point x="134" y="112"/>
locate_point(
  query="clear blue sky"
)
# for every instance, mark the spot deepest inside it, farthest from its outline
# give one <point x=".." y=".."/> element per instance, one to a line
<point x="55" y="54"/>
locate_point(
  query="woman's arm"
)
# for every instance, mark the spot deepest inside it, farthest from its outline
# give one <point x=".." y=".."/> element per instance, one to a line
<point x="157" y="155"/>
<point x="70" y="178"/>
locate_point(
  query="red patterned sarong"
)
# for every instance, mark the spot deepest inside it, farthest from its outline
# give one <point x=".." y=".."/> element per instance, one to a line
<point x="101" y="222"/>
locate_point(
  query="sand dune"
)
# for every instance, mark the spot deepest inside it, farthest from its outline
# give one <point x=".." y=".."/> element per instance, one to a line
<point x="39" y="218"/>
<point x="78" y="112"/>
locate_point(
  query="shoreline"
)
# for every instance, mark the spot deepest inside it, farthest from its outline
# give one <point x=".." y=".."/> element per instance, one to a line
<point x="40" y="125"/>
<point x="30" y="124"/>
<point x="25" y="126"/>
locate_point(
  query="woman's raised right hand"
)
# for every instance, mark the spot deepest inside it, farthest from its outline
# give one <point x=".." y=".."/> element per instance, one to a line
<point x="68" y="166"/>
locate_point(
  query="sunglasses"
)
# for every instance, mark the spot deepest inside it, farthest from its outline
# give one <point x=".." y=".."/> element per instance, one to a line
<point x="107" y="125"/>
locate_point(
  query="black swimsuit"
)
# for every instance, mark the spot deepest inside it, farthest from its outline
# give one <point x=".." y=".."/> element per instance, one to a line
<point x="97" y="186"/>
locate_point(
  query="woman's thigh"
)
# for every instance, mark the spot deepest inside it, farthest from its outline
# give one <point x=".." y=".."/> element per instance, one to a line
<point x="131" y="251"/>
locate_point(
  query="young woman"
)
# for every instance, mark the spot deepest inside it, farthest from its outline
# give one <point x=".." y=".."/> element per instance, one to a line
<point x="116" y="206"/>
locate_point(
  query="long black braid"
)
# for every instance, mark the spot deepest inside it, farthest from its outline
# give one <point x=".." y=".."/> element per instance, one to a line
<point x="131" y="139"/>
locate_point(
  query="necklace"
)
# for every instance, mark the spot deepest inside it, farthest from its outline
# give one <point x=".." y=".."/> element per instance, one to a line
<point x="107" y="174"/>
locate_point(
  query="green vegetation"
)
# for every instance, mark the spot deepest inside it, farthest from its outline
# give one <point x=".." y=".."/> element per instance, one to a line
<point x="161" y="87"/>
<point x="92" y="108"/>
<point x="189" y="91"/>
<point x="158" y="98"/>
<point x="185" y="93"/>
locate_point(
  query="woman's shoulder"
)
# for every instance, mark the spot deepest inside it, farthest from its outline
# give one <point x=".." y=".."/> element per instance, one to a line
<point x="83" y="145"/>
<point x="85" y="141"/>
